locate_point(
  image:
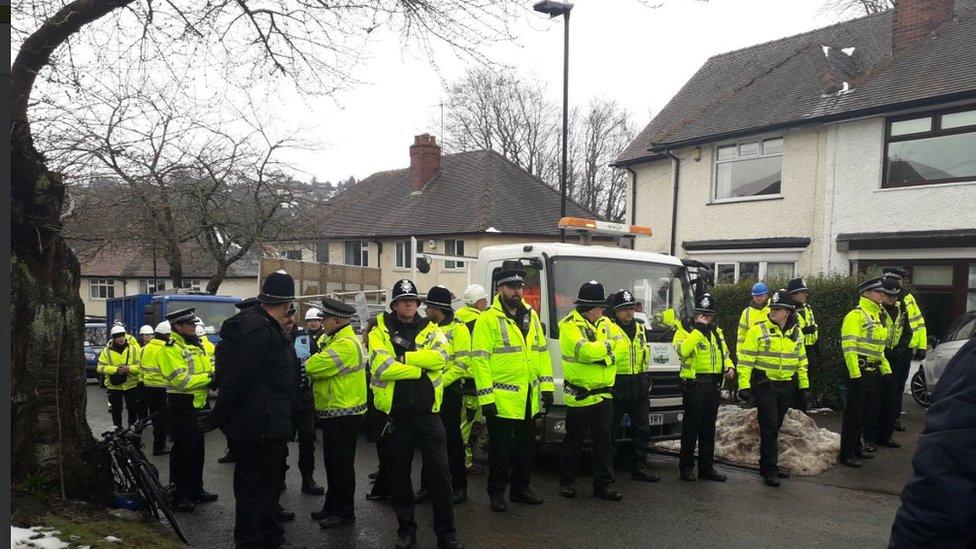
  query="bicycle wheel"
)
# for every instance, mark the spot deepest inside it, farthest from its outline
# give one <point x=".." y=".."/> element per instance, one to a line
<point x="157" y="497"/>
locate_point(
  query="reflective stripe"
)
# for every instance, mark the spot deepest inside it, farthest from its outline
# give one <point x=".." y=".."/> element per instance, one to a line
<point x="384" y="366"/>
<point x="570" y="391"/>
<point x="481" y="354"/>
<point x="544" y="379"/>
<point x="447" y="357"/>
<point x="540" y="348"/>
<point x="576" y="351"/>
<point x="769" y="354"/>
<point x="484" y="392"/>
<point x="506" y="387"/>
<point x="340" y="412"/>
<point x="864" y="351"/>
<point x="763" y="365"/>
<point x="174" y="374"/>
<point x="503" y="328"/>
<point x="378" y="383"/>
<point x="335" y="357"/>
<point x="506" y="350"/>
<point x="914" y="318"/>
<point x="435" y="383"/>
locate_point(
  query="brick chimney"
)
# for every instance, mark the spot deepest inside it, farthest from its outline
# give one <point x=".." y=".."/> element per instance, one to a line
<point x="915" y="19"/>
<point x="425" y="160"/>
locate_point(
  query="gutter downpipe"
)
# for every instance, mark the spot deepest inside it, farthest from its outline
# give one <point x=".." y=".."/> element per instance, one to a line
<point x="674" y="201"/>
<point x="633" y="201"/>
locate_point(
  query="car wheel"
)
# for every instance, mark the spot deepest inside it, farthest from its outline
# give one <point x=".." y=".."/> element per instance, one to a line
<point x="920" y="392"/>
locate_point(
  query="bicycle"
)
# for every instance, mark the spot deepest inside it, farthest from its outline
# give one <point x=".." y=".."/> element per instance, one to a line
<point x="134" y="473"/>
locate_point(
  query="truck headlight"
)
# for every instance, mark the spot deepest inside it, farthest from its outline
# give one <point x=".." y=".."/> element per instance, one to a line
<point x="89" y="356"/>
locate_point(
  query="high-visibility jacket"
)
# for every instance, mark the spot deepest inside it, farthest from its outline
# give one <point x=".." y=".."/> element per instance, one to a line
<point x="338" y="374"/>
<point x="587" y="356"/>
<point x="630" y="355"/>
<point x="781" y="355"/>
<point x="750" y="317"/>
<point x="459" y="351"/>
<point x="864" y="336"/>
<point x="668" y="318"/>
<point x="428" y="360"/>
<point x="510" y="368"/>
<point x="805" y="318"/>
<point x="186" y="368"/>
<point x="209" y="349"/>
<point x="110" y="360"/>
<point x="920" y="338"/>
<point x="700" y="353"/>
<point x="894" y="323"/>
<point x="467" y="314"/>
<point x="151" y="376"/>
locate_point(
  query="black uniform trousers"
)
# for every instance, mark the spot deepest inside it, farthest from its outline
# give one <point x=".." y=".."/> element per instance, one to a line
<point x="510" y="446"/>
<point x="339" y="455"/>
<point x="423" y="432"/>
<point x="155" y="398"/>
<point x="257" y="486"/>
<point x="871" y="414"/>
<point x="773" y="399"/>
<point x="813" y="358"/>
<point x="891" y="390"/>
<point x="452" y="405"/>
<point x="115" y="399"/>
<point x="700" y="399"/>
<point x="855" y="410"/>
<point x="306" y="435"/>
<point x="596" y="419"/>
<point x="186" y="456"/>
<point x="630" y="397"/>
<point x="142" y="405"/>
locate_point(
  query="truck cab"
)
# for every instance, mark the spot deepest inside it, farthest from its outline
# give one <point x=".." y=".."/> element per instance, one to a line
<point x="135" y="310"/>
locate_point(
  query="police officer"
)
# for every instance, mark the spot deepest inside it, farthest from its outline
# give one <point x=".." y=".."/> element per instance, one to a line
<point x="119" y="363"/>
<point x="475" y="302"/>
<point x="912" y="334"/>
<point x="256" y="407"/>
<point x="306" y="345"/>
<point x="229" y="456"/>
<point x="155" y="387"/>
<point x="513" y="376"/>
<point x="705" y="362"/>
<point x="187" y="370"/>
<point x="408" y="355"/>
<point x="338" y="374"/>
<point x="808" y="327"/>
<point x="632" y="383"/>
<point x="863" y="336"/>
<point x="589" y="370"/>
<point x="757" y="311"/>
<point x="773" y="359"/>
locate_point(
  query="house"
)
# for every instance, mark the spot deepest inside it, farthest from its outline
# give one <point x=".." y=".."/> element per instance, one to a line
<point x="115" y="272"/>
<point x="837" y="151"/>
<point x="452" y="204"/>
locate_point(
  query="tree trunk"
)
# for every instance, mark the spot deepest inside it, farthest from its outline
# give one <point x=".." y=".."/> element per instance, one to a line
<point x="217" y="278"/>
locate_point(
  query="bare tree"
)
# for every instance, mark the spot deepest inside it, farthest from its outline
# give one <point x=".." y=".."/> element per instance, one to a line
<point x="858" y="7"/>
<point x="601" y="133"/>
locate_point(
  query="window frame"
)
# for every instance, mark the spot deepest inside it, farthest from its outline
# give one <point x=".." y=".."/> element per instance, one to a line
<point x="450" y="265"/>
<point x="761" y="140"/>
<point x="936" y="131"/>
<point x="363" y="253"/>
<point x="148" y="286"/>
<point x="286" y="254"/>
<point x="106" y="284"/>
<point x="398" y="250"/>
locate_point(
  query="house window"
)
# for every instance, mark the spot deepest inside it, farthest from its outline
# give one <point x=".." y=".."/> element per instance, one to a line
<point x="192" y="284"/>
<point x="932" y="148"/>
<point x="322" y="251"/>
<point x="779" y="270"/>
<point x="453" y="247"/>
<point x="748" y="169"/>
<point x="101" y="288"/>
<point x="730" y="272"/>
<point x="357" y="253"/>
<point x="147" y="286"/>
<point x="404" y="259"/>
<point x="291" y="254"/>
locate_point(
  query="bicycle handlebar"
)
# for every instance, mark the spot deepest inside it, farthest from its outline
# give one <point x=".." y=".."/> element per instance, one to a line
<point x="136" y="428"/>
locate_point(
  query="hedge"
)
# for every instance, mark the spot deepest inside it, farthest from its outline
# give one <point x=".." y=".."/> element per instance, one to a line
<point x="831" y="298"/>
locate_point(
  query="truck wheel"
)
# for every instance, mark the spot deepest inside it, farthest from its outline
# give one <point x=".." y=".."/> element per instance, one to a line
<point x="920" y="392"/>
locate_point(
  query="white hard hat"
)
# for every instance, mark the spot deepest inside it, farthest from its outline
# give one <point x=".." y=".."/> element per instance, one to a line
<point x="118" y="329"/>
<point x="313" y="313"/>
<point x="474" y="293"/>
<point x="164" y="328"/>
<point x="146" y="330"/>
<point x="201" y="331"/>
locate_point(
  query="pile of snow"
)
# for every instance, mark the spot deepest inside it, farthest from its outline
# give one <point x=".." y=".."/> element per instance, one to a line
<point x="112" y="539"/>
<point x="35" y="537"/>
<point x="804" y="448"/>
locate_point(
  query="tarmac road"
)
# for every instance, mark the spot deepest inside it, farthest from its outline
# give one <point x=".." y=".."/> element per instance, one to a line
<point x="840" y="508"/>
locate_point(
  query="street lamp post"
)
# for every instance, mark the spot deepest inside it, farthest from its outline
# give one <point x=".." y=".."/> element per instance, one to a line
<point x="555" y="9"/>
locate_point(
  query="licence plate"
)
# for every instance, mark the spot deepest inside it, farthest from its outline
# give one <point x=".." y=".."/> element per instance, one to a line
<point x="656" y="419"/>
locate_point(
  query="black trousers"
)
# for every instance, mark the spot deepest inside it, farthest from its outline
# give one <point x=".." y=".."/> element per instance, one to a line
<point x="872" y="405"/>
<point x="891" y="391"/>
<point x="186" y="456"/>
<point x="773" y="399"/>
<point x="142" y="406"/>
<point x="257" y="482"/>
<point x="339" y="455"/>
<point x="596" y="419"/>
<point x="630" y="397"/>
<point x="510" y="446"/>
<point x="451" y="407"/>
<point x="813" y="357"/>
<point x="700" y="400"/>
<point x="306" y="440"/>
<point x="423" y="432"/>
<point x="852" y="428"/>
<point x="115" y="399"/>
<point x="155" y="399"/>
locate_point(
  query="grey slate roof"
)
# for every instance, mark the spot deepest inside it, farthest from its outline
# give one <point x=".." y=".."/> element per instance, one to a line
<point x="472" y="192"/>
<point x="787" y="82"/>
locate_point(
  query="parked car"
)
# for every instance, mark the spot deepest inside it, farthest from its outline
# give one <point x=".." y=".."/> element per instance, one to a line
<point x="928" y="374"/>
<point x="96" y="337"/>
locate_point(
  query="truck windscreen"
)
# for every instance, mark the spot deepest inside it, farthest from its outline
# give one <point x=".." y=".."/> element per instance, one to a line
<point x="213" y="313"/>
<point x="656" y="287"/>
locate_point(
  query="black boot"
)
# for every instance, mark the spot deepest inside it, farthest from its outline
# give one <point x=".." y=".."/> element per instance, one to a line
<point x="771" y="480"/>
<point x="712" y="474"/>
<point x="607" y="494"/>
<point x="525" y="496"/>
<point x="182" y="504"/>
<point x="406" y="540"/>
<point x="641" y="472"/>
<point x="422" y="496"/>
<point x="460" y="495"/>
<point x="449" y="541"/>
<point x="284" y="516"/>
<point x="498" y="504"/>
<point x="310" y="487"/>
<point x="202" y="496"/>
<point x="228" y="457"/>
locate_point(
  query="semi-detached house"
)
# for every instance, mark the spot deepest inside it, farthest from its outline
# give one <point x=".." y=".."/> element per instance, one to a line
<point x="838" y="151"/>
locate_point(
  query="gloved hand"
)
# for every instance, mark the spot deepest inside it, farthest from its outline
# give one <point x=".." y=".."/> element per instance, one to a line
<point x="805" y="397"/>
<point x="919" y="354"/>
<point x="687" y="383"/>
<point x="745" y="395"/>
<point x="547" y="399"/>
<point x="809" y="329"/>
<point x="212" y="384"/>
<point x="489" y="410"/>
<point x="206" y="422"/>
<point x="702" y="327"/>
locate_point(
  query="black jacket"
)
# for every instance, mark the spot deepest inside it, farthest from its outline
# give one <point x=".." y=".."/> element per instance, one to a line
<point x="258" y="380"/>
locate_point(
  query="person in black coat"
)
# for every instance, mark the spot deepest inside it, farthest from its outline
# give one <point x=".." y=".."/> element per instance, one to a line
<point x="256" y="408"/>
<point x="938" y="505"/>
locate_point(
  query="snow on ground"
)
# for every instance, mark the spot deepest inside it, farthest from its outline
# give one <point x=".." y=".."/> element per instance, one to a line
<point x="35" y="537"/>
<point x="804" y="448"/>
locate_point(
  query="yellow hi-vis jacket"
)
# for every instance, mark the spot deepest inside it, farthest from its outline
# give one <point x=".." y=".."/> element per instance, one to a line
<point x="863" y="338"/>
<point x="467" y="314"/>
<point x="916" y="322"/>
<point x="780" y="355"/>
<point x="338" y="374"/>
<point x="186" y="368"/>
<point x="509" y="368"/>
<point x="151" y="376"/>
<point x="587" y="356"/>
<point x="428" y="360"/>
<point x="701" y="354"/>
<point x="459" y="351"/>
<point x="630" y="355"/>
<point x="110" y="360"/>
<point x="750" y="317"/>
<point x="805" y="318"/>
